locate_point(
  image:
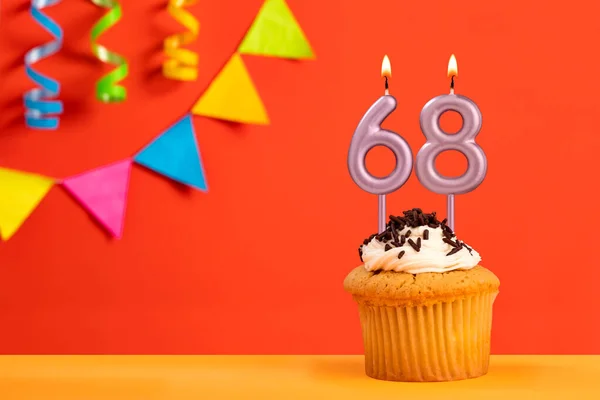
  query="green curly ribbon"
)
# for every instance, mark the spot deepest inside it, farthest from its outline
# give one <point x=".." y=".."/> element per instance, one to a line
<point x="107" y="88"/>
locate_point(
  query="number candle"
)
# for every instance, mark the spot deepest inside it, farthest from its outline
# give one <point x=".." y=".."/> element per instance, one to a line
<point x="439" y="141"/>
<point x="369" y="134"/>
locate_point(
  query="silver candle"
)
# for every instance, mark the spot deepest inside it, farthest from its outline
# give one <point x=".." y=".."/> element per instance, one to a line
<point x="439" y="141"/>
<point x="369" y="134"/>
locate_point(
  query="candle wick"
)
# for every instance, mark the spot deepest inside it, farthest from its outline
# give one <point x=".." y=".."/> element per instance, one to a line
<point x="452" y="85"/>
<point x="387" y="86"/>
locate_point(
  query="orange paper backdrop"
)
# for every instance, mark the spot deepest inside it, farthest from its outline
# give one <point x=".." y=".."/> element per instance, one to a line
<point x="256" y="265"/>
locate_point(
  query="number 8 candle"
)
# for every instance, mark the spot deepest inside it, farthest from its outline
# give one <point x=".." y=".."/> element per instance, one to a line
<point x="368" y="135"/>
<point x="439" y="141"/>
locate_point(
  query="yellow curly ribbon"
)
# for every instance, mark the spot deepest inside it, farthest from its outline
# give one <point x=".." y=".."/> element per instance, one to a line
<point x="182" y="63"/>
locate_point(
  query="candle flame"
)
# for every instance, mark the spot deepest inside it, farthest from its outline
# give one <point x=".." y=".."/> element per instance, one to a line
<point x="452" y="67"/>
<point x="386" y="67"/>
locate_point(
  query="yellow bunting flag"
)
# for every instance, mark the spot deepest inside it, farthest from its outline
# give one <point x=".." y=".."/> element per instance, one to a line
<point x="20" y="193"/>
<point x="232" y="96"/>
<point x="276" y="33"/>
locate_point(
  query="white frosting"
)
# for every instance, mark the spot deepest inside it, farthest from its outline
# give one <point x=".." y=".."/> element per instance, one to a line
<point x="432" y="256"/>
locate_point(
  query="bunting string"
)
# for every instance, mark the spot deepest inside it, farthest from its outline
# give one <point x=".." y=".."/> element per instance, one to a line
<point x="41" y="105"/>
<point x="181" y="63"/>
<point x="107" y="89"/>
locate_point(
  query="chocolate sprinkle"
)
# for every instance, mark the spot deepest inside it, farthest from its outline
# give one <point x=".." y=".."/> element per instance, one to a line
<point x="394" y="234"/>
<point x="450" y="242"/>
<point x="367" y="240"/>
<point x="454" y="250"/>
<point x="396" y="220"/>
<point x="414" y="218"/>
<point x="448" y="235"/>
<point x="360" y="253"/>
<point x="401" y="254"/>
<point x="413" y="245"/>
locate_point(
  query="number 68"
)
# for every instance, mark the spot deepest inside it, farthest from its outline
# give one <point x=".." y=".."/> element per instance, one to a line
<point x="370" y="134"/>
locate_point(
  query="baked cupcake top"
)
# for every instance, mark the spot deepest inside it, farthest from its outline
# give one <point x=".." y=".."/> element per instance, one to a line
<point x="416" y="243"/>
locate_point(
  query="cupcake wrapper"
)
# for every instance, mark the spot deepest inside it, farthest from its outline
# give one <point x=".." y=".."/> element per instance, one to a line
<point x="443" y="341"/>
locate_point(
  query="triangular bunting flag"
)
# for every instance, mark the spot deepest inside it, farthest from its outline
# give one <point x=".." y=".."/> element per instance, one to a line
<point x="232" y="96"/>
<point x="103" y="193"/>
<point x="20" y="193"/>
<point x="175" y="154"/>
<point x="276" y="33"/>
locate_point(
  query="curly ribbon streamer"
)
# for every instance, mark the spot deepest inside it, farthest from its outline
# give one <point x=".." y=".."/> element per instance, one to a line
<point x="107" y="89"/>
<point x="40" y="103"/>
<point x="182" y="63"/>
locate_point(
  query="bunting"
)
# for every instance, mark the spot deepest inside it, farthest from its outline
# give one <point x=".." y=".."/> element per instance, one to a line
<point x="232" y="96"/>
<point x="103" y="193"/>
<point x="276" y="33"/>
<point x="174" y="153"/>
<point x="20" y="194"/>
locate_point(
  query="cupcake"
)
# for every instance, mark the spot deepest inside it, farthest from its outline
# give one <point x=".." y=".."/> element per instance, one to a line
<point x="425" y="302"/>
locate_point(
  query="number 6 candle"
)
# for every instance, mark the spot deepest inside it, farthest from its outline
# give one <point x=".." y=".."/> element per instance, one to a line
<point x="439" y="141"/>
<point x="369" y="134"/>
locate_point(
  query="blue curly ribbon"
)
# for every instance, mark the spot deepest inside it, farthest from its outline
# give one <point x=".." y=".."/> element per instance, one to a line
<point x="40" y="103"/>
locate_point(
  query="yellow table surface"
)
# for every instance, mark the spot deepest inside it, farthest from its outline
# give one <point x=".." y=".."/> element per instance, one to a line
<point x="282" y="377"/>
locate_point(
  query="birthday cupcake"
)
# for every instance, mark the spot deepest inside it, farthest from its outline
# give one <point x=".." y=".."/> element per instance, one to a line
<point x="425" y="303"/>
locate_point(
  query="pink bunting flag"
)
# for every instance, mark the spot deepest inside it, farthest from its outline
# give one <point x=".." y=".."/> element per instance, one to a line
<point x="103" y="193"/>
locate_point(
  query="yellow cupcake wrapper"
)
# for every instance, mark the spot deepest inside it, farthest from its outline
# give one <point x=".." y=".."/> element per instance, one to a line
<point x="444" y="341"/>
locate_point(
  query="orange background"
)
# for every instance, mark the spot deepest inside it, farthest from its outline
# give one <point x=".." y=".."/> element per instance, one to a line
<point x="256" y="265"/>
